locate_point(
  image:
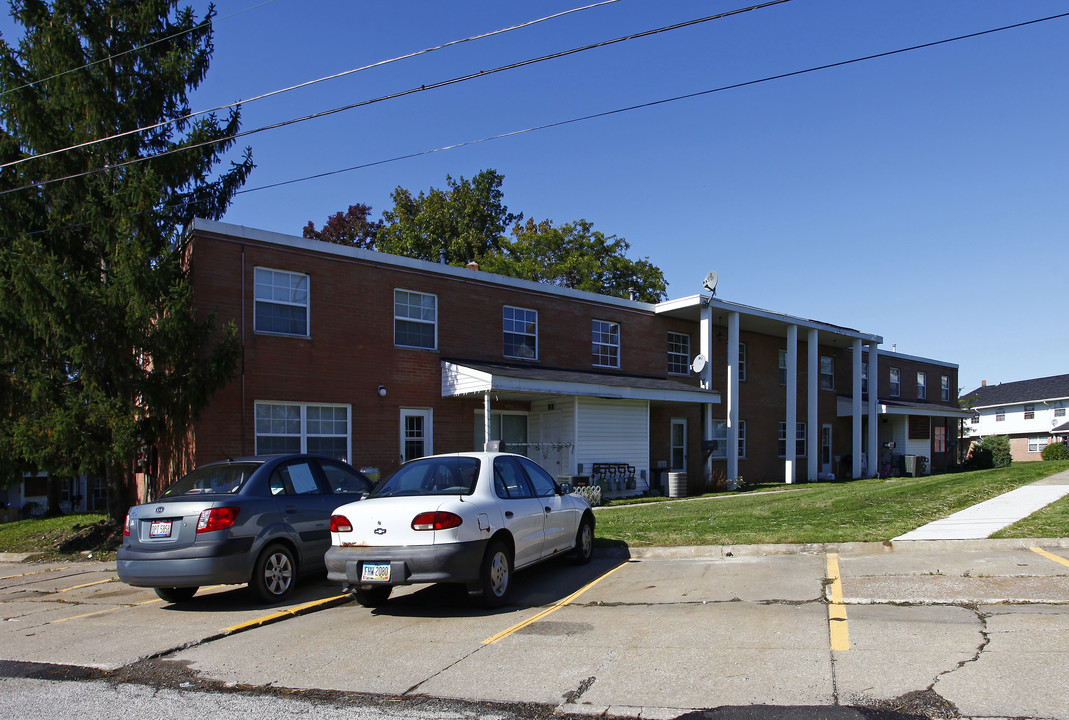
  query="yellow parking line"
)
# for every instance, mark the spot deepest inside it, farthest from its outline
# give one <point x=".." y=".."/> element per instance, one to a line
<point x="838" y="630"/>
<point x="282" y="613"/>
<point x="551" y="609"/>
<point x="98" y="582"/>
<point x="105" y="610"/>
<point x="1051" y="556"/>
<point x="38" y="572"/>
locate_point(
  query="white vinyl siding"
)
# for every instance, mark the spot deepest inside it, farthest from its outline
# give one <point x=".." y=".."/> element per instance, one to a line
<point x="613" y="431"/>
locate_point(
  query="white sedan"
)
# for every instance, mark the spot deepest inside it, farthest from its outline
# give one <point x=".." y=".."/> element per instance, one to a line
<point x="470" y="518"/>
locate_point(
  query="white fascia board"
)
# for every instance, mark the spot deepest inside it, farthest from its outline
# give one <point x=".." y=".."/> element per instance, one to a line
<point x="889" y="354"/>
<point x="1044" y="401"/>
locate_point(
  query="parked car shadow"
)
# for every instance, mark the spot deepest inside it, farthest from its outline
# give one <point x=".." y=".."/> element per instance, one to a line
<point x="538" y="586"/>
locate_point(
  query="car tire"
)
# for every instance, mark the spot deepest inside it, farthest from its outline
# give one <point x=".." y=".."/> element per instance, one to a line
<point x="584" y="542"/>
<point x="275" y="574"/>
<point x="373" y="597"/>
<point x="495" y="575"/>
<point x="176" y="595"/>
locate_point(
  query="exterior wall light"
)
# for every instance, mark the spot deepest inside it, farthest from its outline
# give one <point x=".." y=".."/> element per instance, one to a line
<point x="382" y="391"/>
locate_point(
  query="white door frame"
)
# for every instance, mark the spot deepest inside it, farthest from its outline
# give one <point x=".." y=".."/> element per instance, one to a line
<point x="827" y="461"/>
<point x="680" y="422"/>
<point x="427" y="417"/>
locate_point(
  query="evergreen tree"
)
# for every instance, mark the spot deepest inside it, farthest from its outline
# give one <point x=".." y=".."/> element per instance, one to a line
<point x="102" y="351"/>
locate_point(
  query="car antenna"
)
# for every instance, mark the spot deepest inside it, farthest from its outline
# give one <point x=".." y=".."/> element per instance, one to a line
<point x="226" y="455"/>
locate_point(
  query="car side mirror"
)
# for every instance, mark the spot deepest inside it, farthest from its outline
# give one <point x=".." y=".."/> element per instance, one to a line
<point x="566" y="489"/>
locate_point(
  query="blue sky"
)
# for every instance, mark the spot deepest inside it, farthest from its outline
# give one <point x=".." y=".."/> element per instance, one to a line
<point x="921" y="197"/>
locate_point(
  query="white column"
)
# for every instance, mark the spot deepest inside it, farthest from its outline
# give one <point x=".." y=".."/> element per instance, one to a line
<point x="874" y="428"/>
<point x="705" y="340"/>
<point x="733" y="396"/>
<point x="486" y="420"/>
<point x="855" y="411"/>
<point x="812" y="419"/>
<point x="792" y="405"/>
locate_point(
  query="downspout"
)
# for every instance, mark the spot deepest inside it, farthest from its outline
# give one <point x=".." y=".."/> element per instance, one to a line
<point x="244" y="412"/>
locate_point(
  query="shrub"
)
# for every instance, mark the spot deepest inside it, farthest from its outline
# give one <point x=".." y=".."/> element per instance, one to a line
<point x="1056" y="451"/>
<point x="999" y="447"/>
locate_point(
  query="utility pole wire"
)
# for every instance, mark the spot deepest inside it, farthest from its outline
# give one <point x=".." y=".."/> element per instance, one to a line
<point x="305" y="84"/>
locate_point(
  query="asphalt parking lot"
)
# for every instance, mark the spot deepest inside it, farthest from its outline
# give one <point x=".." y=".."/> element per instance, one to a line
<point x="973" y="628"/>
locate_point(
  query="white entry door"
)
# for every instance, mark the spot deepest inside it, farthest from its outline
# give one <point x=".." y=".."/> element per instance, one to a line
<point x="825" y="450"/>
<point x="416" y="433"/>
<point x="679" y="445"/>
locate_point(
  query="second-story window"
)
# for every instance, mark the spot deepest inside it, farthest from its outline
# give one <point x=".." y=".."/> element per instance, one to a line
<point x="896" y="382"/>
<point x="782" y="367"/>
<point x="1029" y="412"/>
<point x="944" y="388"/>
<point x="827" y="373"/>
<point x="415" y="319"/>
<point x="1000" y="415"/>
<point x="922" y="386"/>
<point x="521" y="333"/>
<point x="678" y="353"/>
<point x="864" y="377"/>
<point x="281" y="302"/>
<point x="742" y="362"/>
<point x="605" y="343"/>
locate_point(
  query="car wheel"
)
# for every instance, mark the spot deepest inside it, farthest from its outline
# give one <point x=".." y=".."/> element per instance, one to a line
<point x="275" y="574"/>
<point x="495" y="577"/>
<point x="176" y="595"/>
<point x="584" y="542"/>
<point x="373" y="597"/>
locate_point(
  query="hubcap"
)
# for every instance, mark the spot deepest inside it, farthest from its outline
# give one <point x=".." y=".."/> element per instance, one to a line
<point x="278" y="574"/>
<point x="587" y="540"/>
<point x="499" y="574"/>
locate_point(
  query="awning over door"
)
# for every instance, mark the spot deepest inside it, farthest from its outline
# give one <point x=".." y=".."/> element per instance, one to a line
<point x="891" y="407"/>
<point x="473" y="379"/>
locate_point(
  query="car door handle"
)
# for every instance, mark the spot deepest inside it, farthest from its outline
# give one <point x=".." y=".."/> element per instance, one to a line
<point x="291" y="508"/>
<point x="508" y="513"/>
<point x="548" y="510"/>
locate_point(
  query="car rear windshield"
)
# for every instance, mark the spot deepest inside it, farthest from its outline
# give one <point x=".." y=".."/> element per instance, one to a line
<point x="431" y="476"/>
<point x="213" y="480"/>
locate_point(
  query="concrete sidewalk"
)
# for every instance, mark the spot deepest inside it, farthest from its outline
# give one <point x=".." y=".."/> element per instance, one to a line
<point x="981" y="521"/>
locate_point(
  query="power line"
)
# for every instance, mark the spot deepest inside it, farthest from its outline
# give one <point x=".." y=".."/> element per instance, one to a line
<point x="299" y="86"/>
<point x="134" y="49"/>
<point x="403" y="93"/>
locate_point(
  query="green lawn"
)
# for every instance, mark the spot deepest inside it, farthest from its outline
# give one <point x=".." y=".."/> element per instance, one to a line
<point x="862" y="510"/>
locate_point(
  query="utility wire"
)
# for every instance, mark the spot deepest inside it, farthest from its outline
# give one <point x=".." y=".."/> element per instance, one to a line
<point x="403" y="93"/>
<point x="652" y="103"/>
<point x="134" y="49"/>
<point x="308" y="83"/>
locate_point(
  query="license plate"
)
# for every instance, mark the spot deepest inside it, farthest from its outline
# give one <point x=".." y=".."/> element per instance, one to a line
<point x="160" y="529"/>
<point x="375" y="572"/>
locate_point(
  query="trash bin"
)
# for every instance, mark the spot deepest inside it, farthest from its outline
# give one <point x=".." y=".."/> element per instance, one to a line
<point x="922" y="465"/>
<point x="910" y="465"/>
<point x="677" y="484"/>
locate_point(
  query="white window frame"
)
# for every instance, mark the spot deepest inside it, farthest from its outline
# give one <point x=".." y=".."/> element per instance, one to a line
<point x="520" y="325"/>
<point x="302" y="432"/>
<point x="944" y="388"/>
<point x="678" y="353"/>
<point x="800" y="439"/>
<point x="1000" y="415"/>
<point x="827" y="372"/>
<point x="415" y="320"/>
<point x="1059" y="412"/>
<point x="742" y="362"/>
<point x="783" y="367"/>
<point x="1029" y="412"/>
<point x="265" y="281"/>
<point x="427" y="415"/>
<point x="601" y="332"/>
<point x="1036" y="444"/>
<point x="894" y="376"/>
<point x="922" y="385"/>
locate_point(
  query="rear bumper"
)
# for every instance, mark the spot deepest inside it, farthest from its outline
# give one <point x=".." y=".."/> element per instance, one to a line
<point x="207" y="564"/>
<point x="454" y="562"/>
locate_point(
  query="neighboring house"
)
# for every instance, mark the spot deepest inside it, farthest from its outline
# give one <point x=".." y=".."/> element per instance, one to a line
<point x="1032" y="413"/>
<point x="30" y="496"/>
<point x="378" y="359"/>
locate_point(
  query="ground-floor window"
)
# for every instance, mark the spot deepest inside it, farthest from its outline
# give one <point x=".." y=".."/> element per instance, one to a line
<point x="799" y="440"/>
<point x="1036" y="444"/>
<point x="939" y="439"/>
<point x="299" y="427"/>
<point x="508" y="427"/>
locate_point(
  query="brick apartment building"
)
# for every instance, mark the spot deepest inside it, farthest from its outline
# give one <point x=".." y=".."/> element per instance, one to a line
<point x="377" y="359"/>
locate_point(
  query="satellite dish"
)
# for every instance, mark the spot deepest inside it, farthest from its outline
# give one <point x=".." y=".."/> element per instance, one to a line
<point x="699" y="364"/>
<point x="709" y="283"/>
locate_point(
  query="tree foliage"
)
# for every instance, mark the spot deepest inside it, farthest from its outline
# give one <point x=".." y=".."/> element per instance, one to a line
<point x="576" y="256"/>
<point x="102" y="351"/>
<point x="352" y="228"/>
<point x="465" y="222"/>
<point x="469" y="221"/>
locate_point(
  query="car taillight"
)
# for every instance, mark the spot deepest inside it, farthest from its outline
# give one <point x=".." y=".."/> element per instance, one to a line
<point x="436" y="520"/>
<point x="340" y="523"/>
<point x="126" y="526"/>
<point x="217" y="519"/>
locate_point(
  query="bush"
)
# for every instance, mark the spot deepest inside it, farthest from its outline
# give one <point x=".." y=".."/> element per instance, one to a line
<point x="1056" y="451"/>
<point x="999" y="447"/>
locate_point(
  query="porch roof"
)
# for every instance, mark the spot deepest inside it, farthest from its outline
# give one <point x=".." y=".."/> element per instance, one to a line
<point x="901" y="407"/>
<point x="462" y="378"/>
